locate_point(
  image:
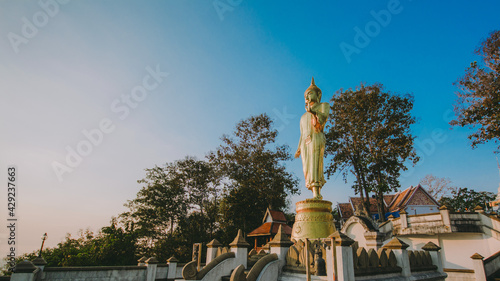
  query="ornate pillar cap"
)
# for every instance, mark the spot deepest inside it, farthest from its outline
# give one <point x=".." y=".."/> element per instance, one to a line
<point x="172" y="259"/>
<point x="280" y="239"/>
<point x="152" y="260"/>
<point x="341" y="239"/>
<point x="431" y="247"/>
<point x="25" y="267"/>
<point x="239" y="241"/>
<point x="39" y="261"/>
<point x="214" y="244"/>
<point x="396" y="244"/>
<point x="476" y="256"/>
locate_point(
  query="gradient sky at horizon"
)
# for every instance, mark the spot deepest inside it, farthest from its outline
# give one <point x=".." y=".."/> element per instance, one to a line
<point x="257" y="57"/>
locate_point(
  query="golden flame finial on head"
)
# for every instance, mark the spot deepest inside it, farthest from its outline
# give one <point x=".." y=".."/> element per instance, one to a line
<point x="313" y="87"/>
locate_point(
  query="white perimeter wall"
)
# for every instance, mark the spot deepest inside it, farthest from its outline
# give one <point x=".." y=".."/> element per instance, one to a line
<point x="459" y="247"/>
<point x="456" y="248"/>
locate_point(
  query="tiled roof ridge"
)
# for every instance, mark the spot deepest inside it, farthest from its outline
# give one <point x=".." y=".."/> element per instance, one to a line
<point x="276" y="215"/>
<point x="427" y="193"/>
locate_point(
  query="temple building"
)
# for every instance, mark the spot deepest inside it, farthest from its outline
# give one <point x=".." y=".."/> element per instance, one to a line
<point x="415" y="200"/>
<point x="270" y="225"/>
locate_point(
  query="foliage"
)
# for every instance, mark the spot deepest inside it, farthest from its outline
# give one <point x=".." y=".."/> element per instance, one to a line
<point x="184" y="202"/>
<point x="255" y="177"/>
<point x="176" y="202"/>
<point x="336" y="218"/>
<point x="478" y="103"/>
<point x="368" y="135"/>
<point x="112" y="245"/>
<point x="436" y="187"/>
<point x="464" y="199"/>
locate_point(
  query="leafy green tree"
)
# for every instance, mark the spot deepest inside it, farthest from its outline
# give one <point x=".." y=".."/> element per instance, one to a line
<point x="159" y="204"/>
<point x="180" y="192"/>
<point x="478" y="103"/>
<point x="115" y="245"/>
<point x="112" y="245"/>
<point x="255" y="174"/>
<point x="464" y="199"/>
<point x="368" y="135"/>
<point x="202" y="186"/>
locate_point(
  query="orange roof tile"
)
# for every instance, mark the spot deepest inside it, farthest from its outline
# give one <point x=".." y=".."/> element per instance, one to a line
<point x="270" y="228"/>
<point x="399" y="199"/>
<point x="356" y="201"/>
<point x="277" y="216"/>
<point x="393" y="202"/>
<point x="420" y="196"/>
<point x="388" y="199"/>
<point x="346" y="210"/>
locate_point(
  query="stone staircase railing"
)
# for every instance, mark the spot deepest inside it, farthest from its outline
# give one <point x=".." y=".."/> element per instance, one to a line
<point x="266" y="268"/>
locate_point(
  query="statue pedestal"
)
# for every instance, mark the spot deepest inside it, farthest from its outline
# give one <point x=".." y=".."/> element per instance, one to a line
<point x="313" y="220"/>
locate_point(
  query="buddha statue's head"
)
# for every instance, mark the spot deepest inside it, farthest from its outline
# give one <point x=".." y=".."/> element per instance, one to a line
<point x="313" y="93"/>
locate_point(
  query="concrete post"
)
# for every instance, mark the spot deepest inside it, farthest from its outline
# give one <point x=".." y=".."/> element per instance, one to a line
<point x="445" y="215"/>
<point x="40" y="262"/>
<point x="477" y="264"/>
<point x="433" y="250"/>
<point x="403" y="216"/>
<point x="343" y="255"/>
<point x="399" y="249"/>
<point x="330" y="259"/>
<point x="151" y="264"/>
<point x="24" y="271"/>
<point x="280" y="245"/>
<point x="240" y="249"/>
<point x="172" y="268"/>
<point x="212" y="250"/>
<point x="308" y="262"/>
<point x="198" y="258"/>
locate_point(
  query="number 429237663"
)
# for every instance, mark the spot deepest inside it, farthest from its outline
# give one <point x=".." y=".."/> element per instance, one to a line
<point x="11" y="191"/>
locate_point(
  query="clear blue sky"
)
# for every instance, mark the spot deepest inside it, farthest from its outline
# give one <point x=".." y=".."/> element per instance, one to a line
<point x="71" y="67"/>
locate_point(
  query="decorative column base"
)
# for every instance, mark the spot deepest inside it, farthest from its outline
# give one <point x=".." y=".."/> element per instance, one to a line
<point x="313" y="220"/>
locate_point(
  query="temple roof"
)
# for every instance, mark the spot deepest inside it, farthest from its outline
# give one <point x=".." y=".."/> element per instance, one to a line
<point x="270" y="228"/>
<point x="413" y="195"/>
<point x="270" y="224"/>
<point x="274" y="216"/>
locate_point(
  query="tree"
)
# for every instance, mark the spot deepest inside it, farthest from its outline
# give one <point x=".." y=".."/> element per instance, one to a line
<point x="112" y="245"/>
<point x="478" y="103"/>
<point x="202" y="185"/>
<point x="464" y="199"/>
<point x="180" y="192"/>
<point x="436" y="187"/>
<point x="255" y="176"/>
<point x="158" y="205"/>
<point x="368" y="135"/>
